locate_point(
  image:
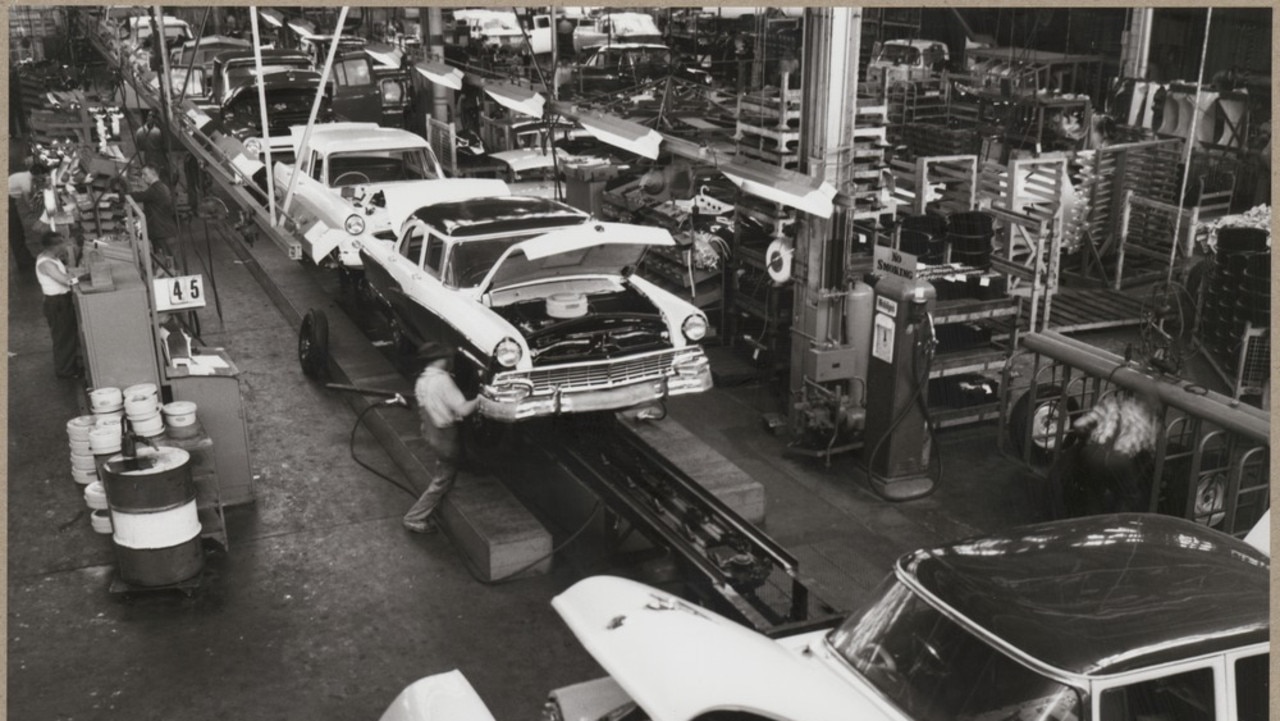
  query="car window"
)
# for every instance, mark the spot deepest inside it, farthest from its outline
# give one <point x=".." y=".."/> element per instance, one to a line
<point x="937" y="670"/>
<point x="1253" y="687"/>
<point x="1186" y="696"/>
<point x="354" y="71"/>
<point x="317" y="166"/>
<point x="435" y="254"/>
<point x="411" y="244"/>
<point x="382" y="166"/>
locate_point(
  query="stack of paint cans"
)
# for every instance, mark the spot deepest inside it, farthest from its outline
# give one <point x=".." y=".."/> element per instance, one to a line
<point x="106" y="402"/>
<point x="105" y="440"/>
<point x="83" y="467"/>
<point x="142" y="408"/>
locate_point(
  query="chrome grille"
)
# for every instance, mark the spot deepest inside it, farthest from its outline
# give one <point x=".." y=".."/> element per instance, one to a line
<point x="601" y="374"/>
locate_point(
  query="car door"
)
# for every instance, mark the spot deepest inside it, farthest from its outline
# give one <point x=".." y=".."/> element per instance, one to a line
<point x="1192" y="691"/>
<point x="410" y="280"/>
<point x="356" y="95"/>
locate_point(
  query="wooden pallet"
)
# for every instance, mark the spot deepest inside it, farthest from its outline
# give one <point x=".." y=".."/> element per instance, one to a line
<point x="1081" y="309"/>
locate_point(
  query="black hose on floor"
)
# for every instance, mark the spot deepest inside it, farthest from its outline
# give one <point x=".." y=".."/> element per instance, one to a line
<point x="351" y="445"/>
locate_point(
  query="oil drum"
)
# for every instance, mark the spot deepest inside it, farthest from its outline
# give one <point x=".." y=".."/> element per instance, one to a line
<point x="154" y="520"/>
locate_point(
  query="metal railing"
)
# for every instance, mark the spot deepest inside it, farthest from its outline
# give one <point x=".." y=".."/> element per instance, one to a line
<point x="1211" y="457"/>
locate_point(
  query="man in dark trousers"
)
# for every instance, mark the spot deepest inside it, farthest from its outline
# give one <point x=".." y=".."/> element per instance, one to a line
<point x="56" y="279"/>
<point x="441" y="406"/>
<point x="157" y="205"/>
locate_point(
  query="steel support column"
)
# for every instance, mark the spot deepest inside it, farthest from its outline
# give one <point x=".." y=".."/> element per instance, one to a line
<point x="832" y="40"/>
<point x="433" y="40"/>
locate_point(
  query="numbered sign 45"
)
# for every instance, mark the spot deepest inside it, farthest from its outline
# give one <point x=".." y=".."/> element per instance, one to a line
<point x="180" y="293"/>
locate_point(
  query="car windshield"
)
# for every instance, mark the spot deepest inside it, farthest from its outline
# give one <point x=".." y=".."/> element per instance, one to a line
<point x="936" y="670"/>
<point x="899" y="54"/>
<point x="381" y="166"/>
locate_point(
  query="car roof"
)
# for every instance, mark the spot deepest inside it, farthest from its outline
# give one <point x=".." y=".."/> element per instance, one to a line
<point x="1104" y="594"/>
<point x="363" y="136"/>
<point x="268" y="54"/>
<point x="507" y="214"/>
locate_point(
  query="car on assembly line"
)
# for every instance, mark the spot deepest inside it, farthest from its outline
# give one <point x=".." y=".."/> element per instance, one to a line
<point x="289" y="84"/>
<point x="625" y="67"/>
<point x="360" y="180"/>
<point x="543" y="304"/>
<point x="1104" y="618"/>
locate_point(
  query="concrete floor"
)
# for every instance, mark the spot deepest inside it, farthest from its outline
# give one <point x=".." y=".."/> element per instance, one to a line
<point x="323" y="606"/>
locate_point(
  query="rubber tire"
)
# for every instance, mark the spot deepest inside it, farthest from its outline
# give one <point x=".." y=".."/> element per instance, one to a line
<point x="1022" y="415"/>
<point x="313" y="345"/>
<point x="1173" y="500"/>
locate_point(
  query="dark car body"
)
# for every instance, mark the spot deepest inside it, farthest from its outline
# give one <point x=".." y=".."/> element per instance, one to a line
<point x="196" y="56"/>
<point x="289" y="84"/>
<point x="395" y="88"/>
<point x="620" y="67"/>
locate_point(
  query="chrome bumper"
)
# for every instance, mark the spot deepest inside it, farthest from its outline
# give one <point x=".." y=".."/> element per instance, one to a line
<point x="513" y="399"/>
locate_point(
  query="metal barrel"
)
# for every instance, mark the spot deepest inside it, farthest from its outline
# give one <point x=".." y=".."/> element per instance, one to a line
<point x="155" y="524"/>
<point x="970" y="235"/>
<point x="927" y="235"/>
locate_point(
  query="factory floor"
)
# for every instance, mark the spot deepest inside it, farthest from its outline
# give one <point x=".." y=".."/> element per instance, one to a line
<point x="323" y="606"/>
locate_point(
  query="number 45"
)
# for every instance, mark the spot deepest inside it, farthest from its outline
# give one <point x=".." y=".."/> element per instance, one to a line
<point x="192" y="291"/>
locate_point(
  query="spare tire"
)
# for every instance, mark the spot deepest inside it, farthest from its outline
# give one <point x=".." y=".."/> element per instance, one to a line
<point x="1034" y="431"/>
<point x="313" y="345"/>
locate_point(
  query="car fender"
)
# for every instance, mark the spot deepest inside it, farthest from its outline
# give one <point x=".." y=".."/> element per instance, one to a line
<point x="444" y="696"/>
<point x="679" y="661"/>
<point x="673" y="308"/>
<point x="461" y="310"/>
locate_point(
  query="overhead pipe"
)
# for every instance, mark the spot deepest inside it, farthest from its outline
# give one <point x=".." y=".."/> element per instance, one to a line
<point x="305" y="145"/>
<point x="262" y="107"/>
<point x="1187" y="397"/>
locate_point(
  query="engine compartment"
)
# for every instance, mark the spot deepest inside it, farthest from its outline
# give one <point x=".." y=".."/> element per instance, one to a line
<point x="618" y="321"/>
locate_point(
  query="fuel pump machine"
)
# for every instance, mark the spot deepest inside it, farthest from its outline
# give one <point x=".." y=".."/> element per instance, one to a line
<point x="898" y="438"/>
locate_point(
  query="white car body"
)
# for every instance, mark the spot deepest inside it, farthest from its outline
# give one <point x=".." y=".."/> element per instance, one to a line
<point x="617" y="28"/>
<point x="629" y="349"/>
<point x="321" y="212"/>
<point x="906" y="60"/>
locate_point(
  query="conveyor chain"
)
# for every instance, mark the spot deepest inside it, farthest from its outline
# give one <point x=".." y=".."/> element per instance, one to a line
<point x="758" y="581"/>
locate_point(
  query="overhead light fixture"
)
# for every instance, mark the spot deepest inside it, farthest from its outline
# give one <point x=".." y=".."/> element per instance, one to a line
<point x="795" y="190"/>
<point x="440" y="74"/>
<point x="273" y="17"/>
<point x="516" y="98"/>
<point x="305" y="30"/>
<point x="384" y="54"/>
<point x="624" y="134"/>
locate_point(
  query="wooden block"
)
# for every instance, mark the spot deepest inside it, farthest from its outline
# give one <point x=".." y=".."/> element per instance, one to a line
<point x="495" y="532"/>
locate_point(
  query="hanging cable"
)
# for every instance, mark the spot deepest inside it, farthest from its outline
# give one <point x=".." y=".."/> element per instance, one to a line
<point x="1191" y="140"/>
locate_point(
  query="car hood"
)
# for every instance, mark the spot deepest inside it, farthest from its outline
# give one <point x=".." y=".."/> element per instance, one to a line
<point x="601" y="248"/>
<point x="679" y="661"/>
<point x="405" y="196"/>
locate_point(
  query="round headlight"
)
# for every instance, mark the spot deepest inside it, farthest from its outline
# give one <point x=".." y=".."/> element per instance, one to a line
<point x="354" y="224"/>
<point x="253" y="147"/>
<point x="694" y="328"/>
<point x="507" y="353"/>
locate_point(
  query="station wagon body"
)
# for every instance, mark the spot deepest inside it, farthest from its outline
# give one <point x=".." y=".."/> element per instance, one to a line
<point x="1105" y="618"/>
<point x="363" y="180"/>
<point x="543" y="305"/>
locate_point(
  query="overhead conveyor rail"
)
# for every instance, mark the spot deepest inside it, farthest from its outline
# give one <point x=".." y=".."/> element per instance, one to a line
<point x="217" y="154"/>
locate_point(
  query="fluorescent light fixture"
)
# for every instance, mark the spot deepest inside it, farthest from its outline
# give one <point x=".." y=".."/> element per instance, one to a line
<point x="441" y="74"/>
<point x="780" y="185"/>
<point x="384" y="54"/>
<point x="516" y="98"/>
<point x="305" y="30"/>
<point x="624" y="134"/>
<point x="273" y="17"/>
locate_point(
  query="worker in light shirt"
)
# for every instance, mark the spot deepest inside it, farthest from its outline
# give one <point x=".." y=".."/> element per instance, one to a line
<point x="441" y="406"/>
<point x="59" y="307"/>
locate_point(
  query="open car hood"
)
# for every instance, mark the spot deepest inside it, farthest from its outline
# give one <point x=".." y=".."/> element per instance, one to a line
<point x="592" y="248"/>
<point x="405" y="196"/>
<point x="679" y="661"/>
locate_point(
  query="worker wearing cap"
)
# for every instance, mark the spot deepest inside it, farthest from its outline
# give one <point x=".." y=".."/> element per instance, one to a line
<point x="157" y="206"/>
<point x="441" y="406"/>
